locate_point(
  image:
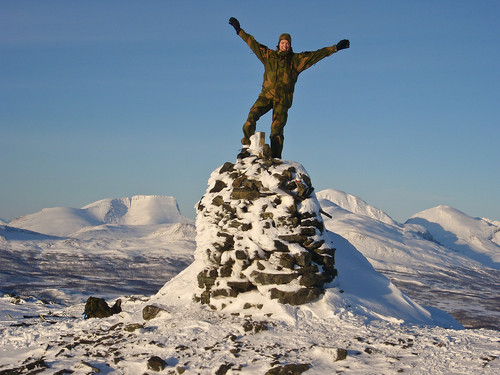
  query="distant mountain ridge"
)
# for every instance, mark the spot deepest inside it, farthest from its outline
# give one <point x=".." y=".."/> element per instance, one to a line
<point x="477" y="238"/>
<point x="354" y="204"/>
<point x="443" y="224"/>
<point x="136" y="210"/>
<point x="441" y="256"/>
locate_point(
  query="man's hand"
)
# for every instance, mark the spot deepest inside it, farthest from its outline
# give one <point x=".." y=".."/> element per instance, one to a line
<point x="344" y="43"/>
<point x="235" y="23"/>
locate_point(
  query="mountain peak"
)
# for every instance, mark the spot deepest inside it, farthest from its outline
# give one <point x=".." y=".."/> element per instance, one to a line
<point x="136" y="210"/>
<point x="476" y="238"/>
<point x="354" y="204"/>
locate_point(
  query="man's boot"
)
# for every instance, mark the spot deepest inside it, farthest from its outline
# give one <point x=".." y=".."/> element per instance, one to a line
<point x="248" y="131"/>
<point x="276" y="146"/>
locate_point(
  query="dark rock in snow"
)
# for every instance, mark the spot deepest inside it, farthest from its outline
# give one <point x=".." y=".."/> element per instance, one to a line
<point x="98" y="308"/>
<point x="297" y="297"/>
<point x="150" y="312"/>
<point x="273" y="278"/>
<point x="290" y="369"/>
<point x="157" y="364"/>
<point x="224" y="368"/>
<point x="254" y="327"/>
<point x="219" y="185"/>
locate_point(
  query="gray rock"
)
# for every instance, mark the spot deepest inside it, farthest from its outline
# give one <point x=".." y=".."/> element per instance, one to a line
<point x="224" y="292"/>
<point x="341" y="354"/>
<point x="151" y="311"/>
<point x="227" y="269"/>
<point x="98" y="308"/>
<point x="227" y="167"/>
<point x="287" y="260"/>
<point x="224" y="368"/>
<point x="218" y="201"/>
<point x="298" y="297"/>
<point x="303" y="259"/>
<point x="219" y="186"/>
<point x="133" y="327"/>
<point x="280" y="246"/>
<point x="326" y="251"/>
<point x="293" y="238"/>
<point x="241" y="254"/>
<point x="313" y="223"/>
<point x="310" y="244"/>
<point x="273" y="278"/>
<point x="157" y="364"/>
<point x="241" y="286"/>
<point x="308" y="231"/>
<point x="244" y="193"/>
<point x="206" y="278"/>
<point x="313" y="279"/>
<point x="289" y="369"/>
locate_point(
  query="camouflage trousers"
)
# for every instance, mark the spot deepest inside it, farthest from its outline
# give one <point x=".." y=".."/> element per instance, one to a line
<point x="280" y="114"/>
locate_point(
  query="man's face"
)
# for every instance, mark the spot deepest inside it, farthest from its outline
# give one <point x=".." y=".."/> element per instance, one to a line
<point x="284" y="45"/>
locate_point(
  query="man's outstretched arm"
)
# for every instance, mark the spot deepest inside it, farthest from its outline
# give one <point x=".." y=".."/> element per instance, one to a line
<point x="308" y="59"/>
<point x="260" y="50"/>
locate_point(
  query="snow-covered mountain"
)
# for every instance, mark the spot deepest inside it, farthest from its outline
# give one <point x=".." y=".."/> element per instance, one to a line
<point x="355" y="205"/>
<point x="110" y="247"/>
<point x="478" y="239"/>
<point x="137" y="210"/>
<point x="455" y="268"/>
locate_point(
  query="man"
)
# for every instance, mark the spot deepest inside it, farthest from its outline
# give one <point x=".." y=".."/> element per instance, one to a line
<point x="281" y="70"/>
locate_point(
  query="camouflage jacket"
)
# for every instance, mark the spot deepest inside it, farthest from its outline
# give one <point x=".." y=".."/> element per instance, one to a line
<point x="281" y="69"/>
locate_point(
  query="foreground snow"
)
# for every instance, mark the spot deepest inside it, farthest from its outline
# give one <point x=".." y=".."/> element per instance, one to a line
<point x="194" y="339"/>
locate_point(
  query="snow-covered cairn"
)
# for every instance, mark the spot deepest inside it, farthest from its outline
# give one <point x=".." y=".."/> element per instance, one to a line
<point x="259" y="228"/>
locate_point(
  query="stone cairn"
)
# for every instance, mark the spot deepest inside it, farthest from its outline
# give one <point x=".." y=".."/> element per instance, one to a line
<point x="259" y="228"/>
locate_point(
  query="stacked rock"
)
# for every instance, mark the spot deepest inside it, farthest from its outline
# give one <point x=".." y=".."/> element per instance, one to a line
<point x="259" y="228"/>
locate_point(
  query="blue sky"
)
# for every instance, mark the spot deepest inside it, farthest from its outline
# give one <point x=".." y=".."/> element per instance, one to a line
<point x="108" y="99"/>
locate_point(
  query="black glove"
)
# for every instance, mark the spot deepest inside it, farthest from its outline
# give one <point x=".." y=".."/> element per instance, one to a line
<point x="235" y="23"/>
<point x="344" y="43"/>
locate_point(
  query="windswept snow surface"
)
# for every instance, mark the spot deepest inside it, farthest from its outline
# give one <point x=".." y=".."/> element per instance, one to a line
<point x="195" y="340"/>
<point x="452" y="269"/>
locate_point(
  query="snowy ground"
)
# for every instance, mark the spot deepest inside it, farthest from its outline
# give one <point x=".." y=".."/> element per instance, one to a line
<point x="195" y="339"/>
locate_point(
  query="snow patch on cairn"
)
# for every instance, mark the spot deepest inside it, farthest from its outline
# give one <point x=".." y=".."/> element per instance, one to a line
<point x="259" y="229"/>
